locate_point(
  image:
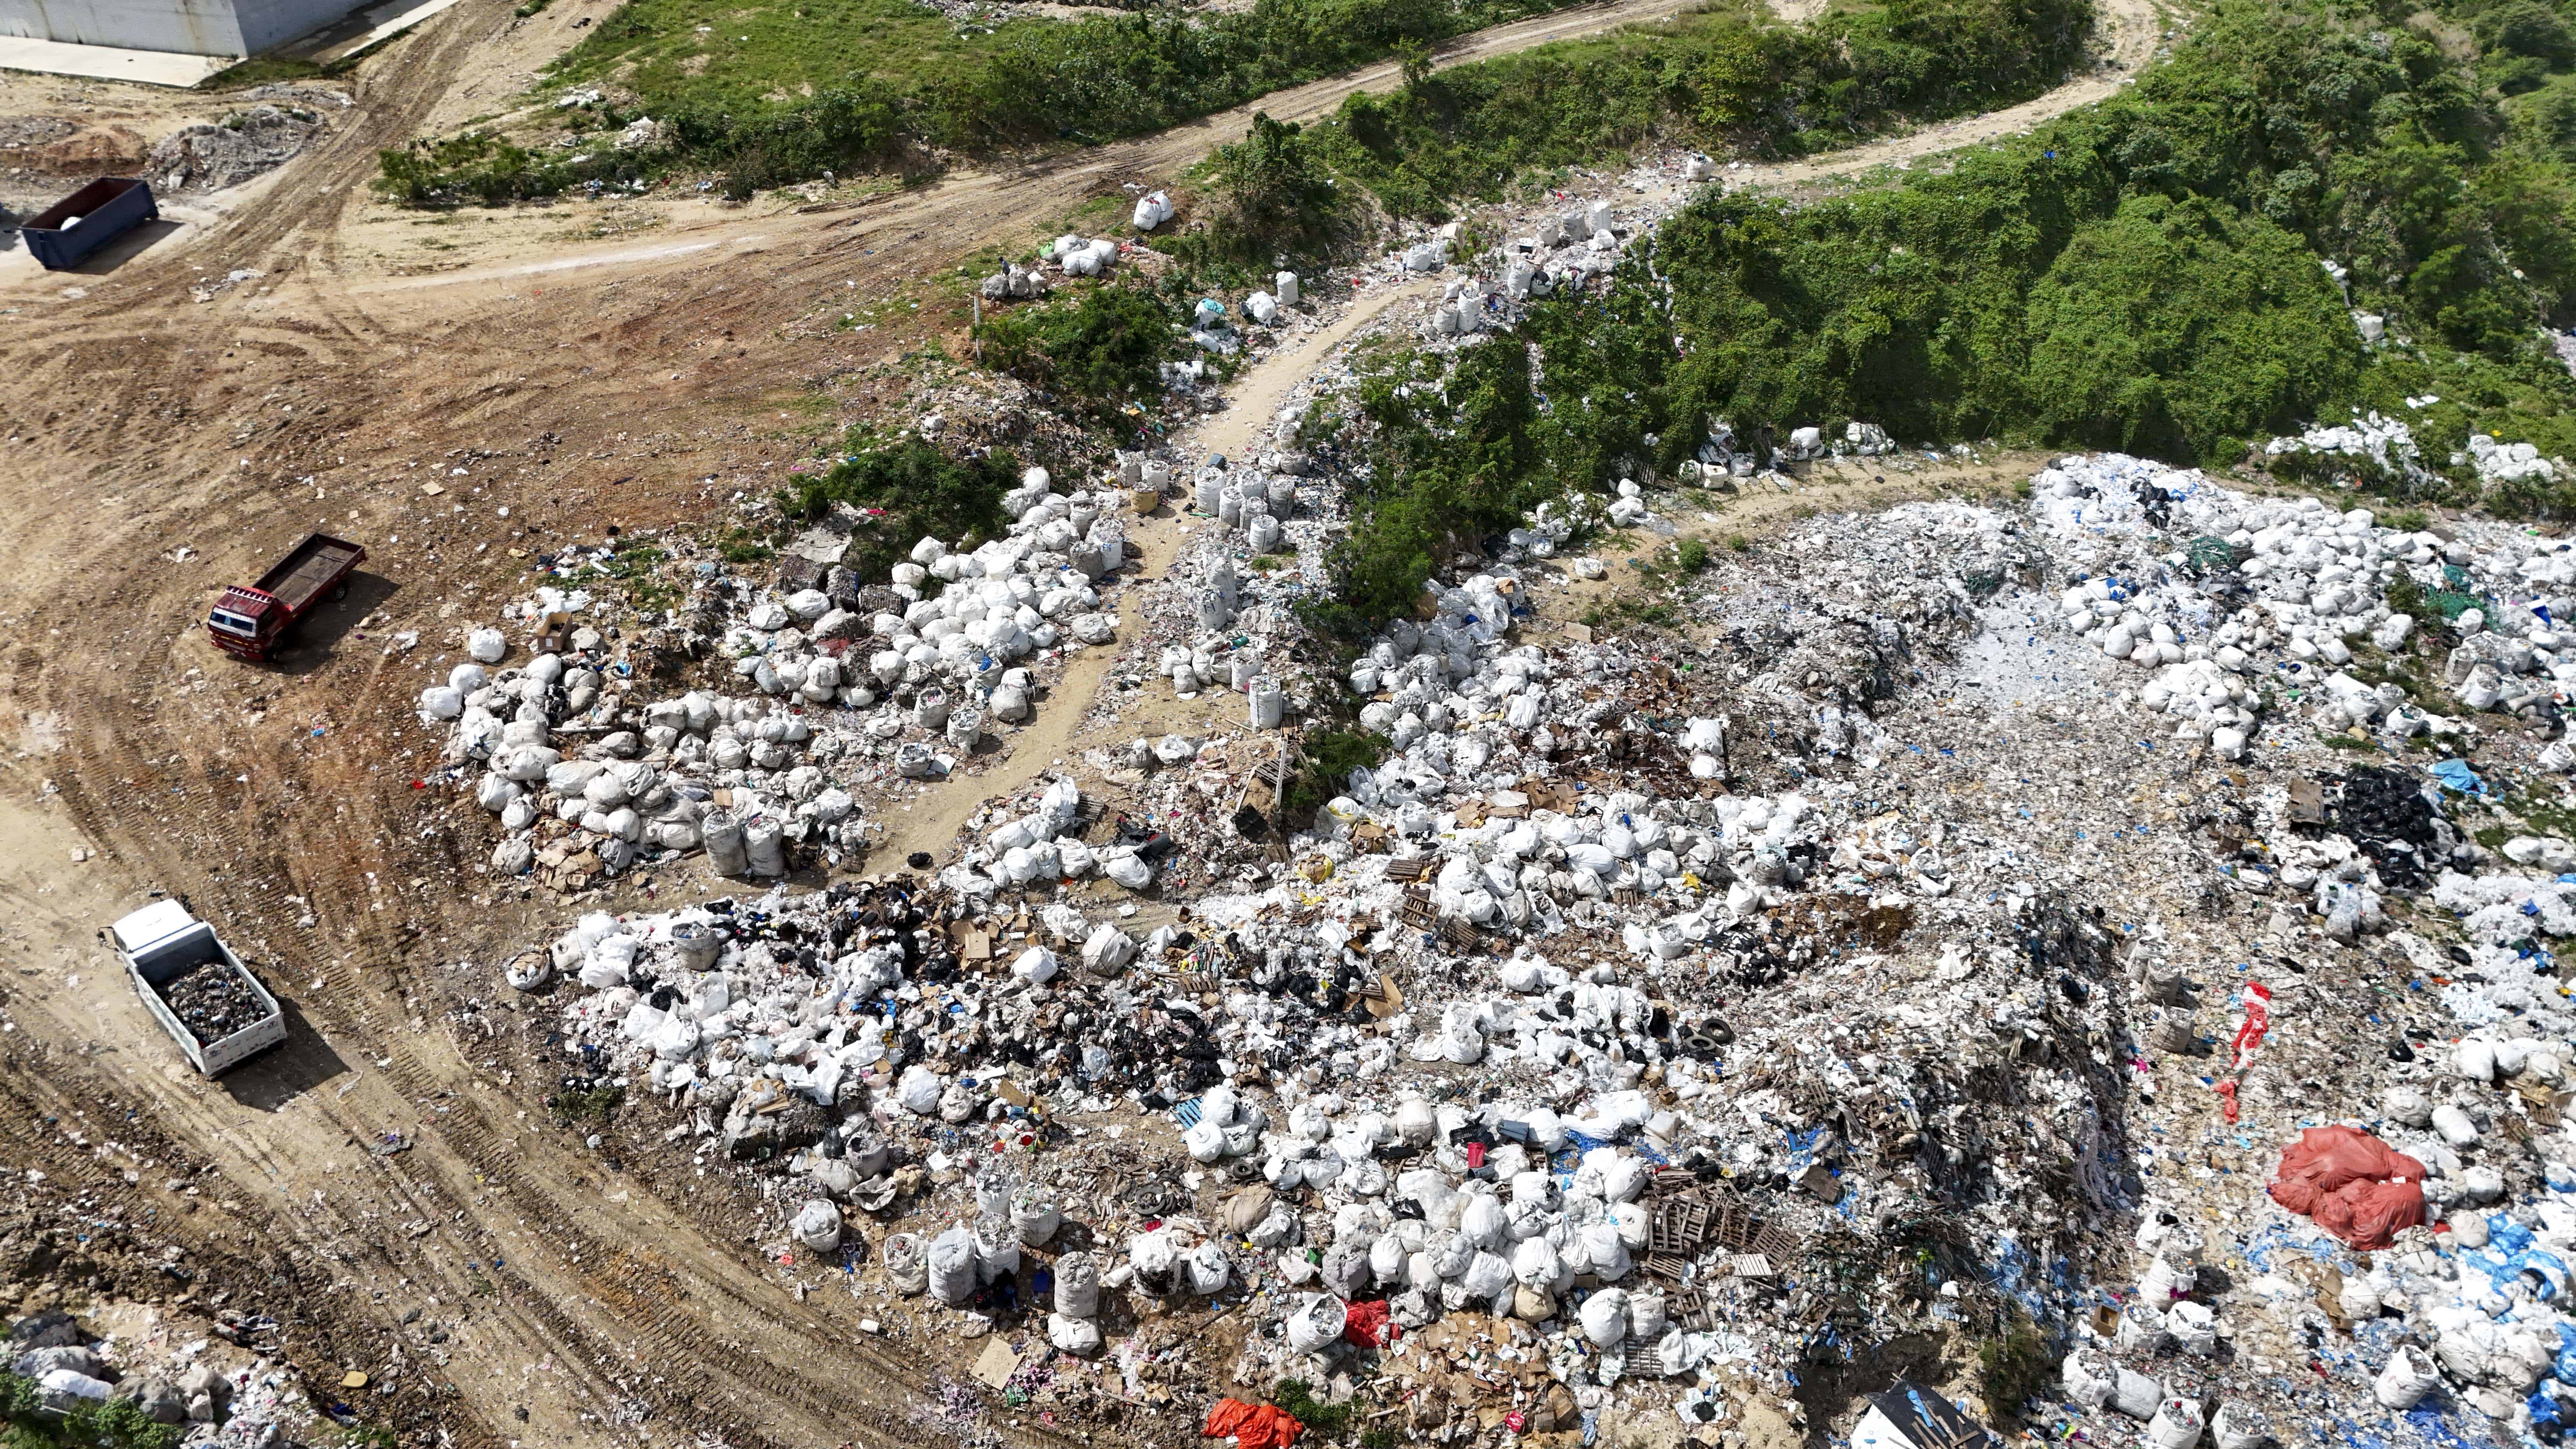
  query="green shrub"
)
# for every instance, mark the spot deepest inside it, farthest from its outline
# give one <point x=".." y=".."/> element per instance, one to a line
<point x="777" y="93"/>
<point x="1691" y="554"/>
<point x="591" y="1107"/>
<point x="1330" y="1423"/>
<point x="2012" y="1368"/>
<point x="1104" y="345"/>
<point x="116" y="1424"/>
<point x="1273" y="195"/>
<point x="914" y="489"/>
<point x="2404" y="596"/>
<point x="2174" y="327"/>
<point x="1325" y="759"/>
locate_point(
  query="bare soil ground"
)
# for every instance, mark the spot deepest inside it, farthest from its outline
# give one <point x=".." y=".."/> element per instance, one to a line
<point x="169" y="430"/>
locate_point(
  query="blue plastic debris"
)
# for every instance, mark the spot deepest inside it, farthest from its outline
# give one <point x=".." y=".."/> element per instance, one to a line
<point x="2456" y="775"/>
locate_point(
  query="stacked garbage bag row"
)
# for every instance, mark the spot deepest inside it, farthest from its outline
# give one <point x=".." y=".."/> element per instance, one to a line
<point x="844" y="684"/>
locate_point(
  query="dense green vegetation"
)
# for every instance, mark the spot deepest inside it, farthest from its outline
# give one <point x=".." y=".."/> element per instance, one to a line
<point x="784" y="90"/>
<point x="911" y="489"/>
<point x="1271" y="197"/>
<point x="1729" y="79"/>
<point x="1100" y="348"/>
<point x="2147" y="274"/>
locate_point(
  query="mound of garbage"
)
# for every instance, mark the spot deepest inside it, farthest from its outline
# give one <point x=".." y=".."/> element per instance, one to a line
<point x="252" y="142"/>
<point x="848" y="684"/>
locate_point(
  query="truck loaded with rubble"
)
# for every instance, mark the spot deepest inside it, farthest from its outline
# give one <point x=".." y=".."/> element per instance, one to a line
<point x="1913" y="969"/>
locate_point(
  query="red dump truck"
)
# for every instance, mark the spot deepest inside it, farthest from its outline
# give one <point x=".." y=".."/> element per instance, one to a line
<point x="252" y="620"/>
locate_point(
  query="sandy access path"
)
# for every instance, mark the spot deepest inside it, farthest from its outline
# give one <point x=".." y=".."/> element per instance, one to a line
<point x="154" y="448"/>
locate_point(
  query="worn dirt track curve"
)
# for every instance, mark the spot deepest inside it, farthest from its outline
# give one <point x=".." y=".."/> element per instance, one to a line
<point x="139" y="424"/>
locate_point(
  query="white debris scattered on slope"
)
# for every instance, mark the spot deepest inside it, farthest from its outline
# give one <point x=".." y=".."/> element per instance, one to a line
<point x="2263" y="599"/>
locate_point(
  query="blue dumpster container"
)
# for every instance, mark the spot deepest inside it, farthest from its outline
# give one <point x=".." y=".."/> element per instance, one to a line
<point x="79" y="224"/>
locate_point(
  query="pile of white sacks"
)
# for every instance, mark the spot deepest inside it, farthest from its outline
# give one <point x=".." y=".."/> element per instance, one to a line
<point x="2386" y="442"/>
<point x="1040" y="848"/>
<point x="2317" y="577"/>
<point x="561" y="736"/>
<point x="2390" y="443"/>
<point x="2508" y="462"/>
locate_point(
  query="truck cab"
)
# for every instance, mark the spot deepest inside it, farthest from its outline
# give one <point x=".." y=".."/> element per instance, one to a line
<point x="244" y="621"/>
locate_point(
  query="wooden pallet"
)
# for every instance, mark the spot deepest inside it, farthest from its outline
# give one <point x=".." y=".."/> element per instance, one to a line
<point x="1689" y="1308"/>
<point x="1417" y="911"/>
<point x="1686" y="1222"/>
<point x="1408" y="868"/>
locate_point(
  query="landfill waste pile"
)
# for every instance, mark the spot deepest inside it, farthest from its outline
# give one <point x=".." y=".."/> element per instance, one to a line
<point x="274" y="129"/>
<point x="66" y="1367"/>
<point x="1668" y="1024"/>
<point x="212" y="1000"/>
<point x="589" y="773"/>
<point x="2090" y="954"/>
<point x="2388" y="446"/>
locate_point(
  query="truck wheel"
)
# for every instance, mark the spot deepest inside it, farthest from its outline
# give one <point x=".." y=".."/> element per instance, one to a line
<point x="340" y="593"/>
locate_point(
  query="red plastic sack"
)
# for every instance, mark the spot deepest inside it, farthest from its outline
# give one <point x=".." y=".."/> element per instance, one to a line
<point x="1367" y="1325"/>
<point x="2354" y="1186"/>
<point x="1254" y="1426"/>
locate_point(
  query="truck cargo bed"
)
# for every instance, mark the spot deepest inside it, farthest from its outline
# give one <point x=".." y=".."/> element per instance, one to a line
<point x="223" y="1015"/>
<point x="317" y="563"/>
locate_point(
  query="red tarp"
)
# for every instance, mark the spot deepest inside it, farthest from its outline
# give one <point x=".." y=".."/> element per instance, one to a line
<point x="2352" y="1184"/>
<point x="1367" y="1325"/>
<point x="1254" y="1426"/>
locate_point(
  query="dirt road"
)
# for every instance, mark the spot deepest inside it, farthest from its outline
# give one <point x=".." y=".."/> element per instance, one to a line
<point x="154" y="448"/>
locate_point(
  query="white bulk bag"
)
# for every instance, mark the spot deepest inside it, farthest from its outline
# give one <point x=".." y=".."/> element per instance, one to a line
<point x="1646" y="1314"/>
<point x="1609" y="1255"/>
<point x="1535" y="1264"/>
<point x="2175" y="1426"/>
<point x="1208" y="1270"/>
<point x="2408" y="1377"/>
<point x="904" y="1264"/>
<point x="2239" y="1426"/>
<point x="1079" y="1337"/>
<point x="1034" y="1214"/>
<point x="1077" y="1286"/>
<point x="2136" y="1395"/>
<point x="1486" y="1276"/>
<point x="2089" y="1378"/>
<point x="1605" y="1318"/>
<point x="1316" y="1322"/>
<point x="951" y="1266"/>
<point x="818" y="1226"/>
